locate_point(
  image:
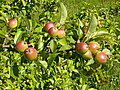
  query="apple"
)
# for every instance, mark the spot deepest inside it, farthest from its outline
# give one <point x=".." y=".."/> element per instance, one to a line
<point x="101" y="57"/>
<point x="53" y="32"/>
<point x="12" y="23"/>
<point x="49" y="25"/>
<point x="30" y="53"/>
<point x="21" y="46"/>
<point x="87" y="55"/>
<point x="81" y="47"/>
<point x="94" y="46"/>
<point x="61" y="33"/>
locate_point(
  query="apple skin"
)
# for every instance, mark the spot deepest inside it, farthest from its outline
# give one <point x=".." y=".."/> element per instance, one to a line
<point x="30" y="53"/>
<point x="94" y="46"/>
<point x="101" y="57"/>
<point x="53" y="32"/>
<point x="49" y="25"/>
<point x="21" y="46"/>
<point x="61" y="33"/>
<point x="87" y="55"/>
<point x="12" y="23"/>
<point x="81" y="47"/>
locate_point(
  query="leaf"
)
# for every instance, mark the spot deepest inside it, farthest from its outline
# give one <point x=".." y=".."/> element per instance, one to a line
<point x="17" y="35"/>
<point x="3" y="34"/>
<point x="51" y="58"/>
<point x="65" y="47"/>
<point x="53" y="45"/>
<point x="91" y="61"/>
<point x="63" y="13"/>
<point x="44" y="64"/>
<point x="23" y="2"/>
<point x="80" y="32"/>
<point x="40" y="43"/>
<point x="62" y="41"/>
<point x="107" y="51"/>
<point x="92" y="26"/>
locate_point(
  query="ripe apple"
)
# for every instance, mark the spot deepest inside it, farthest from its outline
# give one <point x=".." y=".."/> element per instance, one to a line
<point x="81" y="47"/>
<point x="53" y="32"/>
<point x="12" y="23"/>
<point x="87" y="55"/>
<point x="94" y="46"/>
<point x="61" y="33"/>
<point x="101" y="57"/>
<point x="21" y="46"/>
<point x="30" y="53"/>
<point x="49" y="25"/>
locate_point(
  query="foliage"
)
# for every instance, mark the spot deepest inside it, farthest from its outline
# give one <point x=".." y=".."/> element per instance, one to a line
<point x="58" y="66"/>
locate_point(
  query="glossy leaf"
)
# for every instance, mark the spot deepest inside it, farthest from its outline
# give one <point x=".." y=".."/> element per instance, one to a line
<point x="53" y="45"/>
<point x="65" y="47"/>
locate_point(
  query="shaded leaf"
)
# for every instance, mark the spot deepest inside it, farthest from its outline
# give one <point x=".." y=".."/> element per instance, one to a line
<point x="53" y="45"/>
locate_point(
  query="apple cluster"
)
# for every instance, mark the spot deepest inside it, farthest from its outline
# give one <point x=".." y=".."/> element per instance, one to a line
<point x="91" y="51"/>
<point x="53" y="31"/>
<point x="30" y="53"/>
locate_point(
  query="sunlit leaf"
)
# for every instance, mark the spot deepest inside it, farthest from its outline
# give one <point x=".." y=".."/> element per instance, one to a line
<point x="44" y="64"/>
<point x="63" y="13"/>
<point x="17" y="35"/>
<point x="53" y="45"/>
<point x="65" y="47"/>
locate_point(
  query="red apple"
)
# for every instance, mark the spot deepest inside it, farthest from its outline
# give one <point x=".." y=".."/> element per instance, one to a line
<point x="81" y="47"/>
<point x="30" y="53"/>
<point x="12" y="23"/>
<point x="101" y="57"/>
<point x="53" y="32"/>
<point x="61" y="33"/>
<point x="87" y="55"/>
<point x="21" y="46"/>
<point x="94" y="46"/>
<point x="49" y="25"/>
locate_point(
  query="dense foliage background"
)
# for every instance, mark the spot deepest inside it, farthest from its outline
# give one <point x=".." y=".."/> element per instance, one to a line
<point x="58" y="66"/>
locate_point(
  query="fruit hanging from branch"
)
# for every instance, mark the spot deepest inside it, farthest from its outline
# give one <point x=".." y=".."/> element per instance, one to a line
<point x="49" y="25"/>
<point x="30" y="53"/>
<point x="21" y="46"/>
<point x="12" y="23"/>
<point x="61" y="33"/>
<point x="101" y="57"/>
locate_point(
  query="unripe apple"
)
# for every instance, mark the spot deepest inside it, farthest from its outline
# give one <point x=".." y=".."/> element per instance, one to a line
<point x="30" y="53"/>
<point x="12" y="23"/>
<point x="94" y="46"/>
<point x="81" y="47"/>
<point x="87" y="55"/>
<point x="101" y="57"/>
<point x="53" y="32"/>
<point x="21" y="46"/>
<point x="61" y="33"/>
<point x="49" y="25"/>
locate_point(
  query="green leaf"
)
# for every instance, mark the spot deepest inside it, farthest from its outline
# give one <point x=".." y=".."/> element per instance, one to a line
<point x="44" y="64"/>
<point x="92" y="26"/>
<point x="107" y="51"/>
<point x="80" y="32"/>
<point x="63" y="13"/>
<point x="62" y="41"/>
<point x="91" y="61"/>
<point x="40" y="43"/>
<point x="3" y="34"/>
<point x="23" y="2"/>
<point x="65" y="47"/>
<point x="101" y="32"/>
<point x="17" y="35"/>
<point x="51" y="58"/>
<point x="53" y="45"/>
